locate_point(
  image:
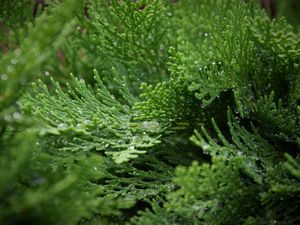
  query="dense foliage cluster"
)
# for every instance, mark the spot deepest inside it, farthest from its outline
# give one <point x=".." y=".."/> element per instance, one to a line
<point x="149" y="112"/>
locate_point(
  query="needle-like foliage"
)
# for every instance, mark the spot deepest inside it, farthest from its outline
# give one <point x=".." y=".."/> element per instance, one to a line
<point x="175" y="112"/>
<point x="83" y="120"/>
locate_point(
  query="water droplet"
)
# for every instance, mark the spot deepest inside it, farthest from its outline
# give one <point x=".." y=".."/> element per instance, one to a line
<point x="237" y="119"/>
<point x="161" y="47"/>
<point x="134" y="139"/>
<point x="4" y="77"/>
<point x="13" y="61"/>
<point x="131" y="148"/>
<point x="80" y="125"/>
<point x="135" y="173"/>
<point x="16" y="115"/>
<point x="87" y="122"/>
<point x="38" y="181"/>
<point x="62" y="125"/>
<point x="151" y="126"/>
<point x="10" y="68"/>
<point x="195" y="207"/>
<point x="18" y="52"/>
<point x="205" y="146"/>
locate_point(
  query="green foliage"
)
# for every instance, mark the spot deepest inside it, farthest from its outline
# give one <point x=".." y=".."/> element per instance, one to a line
<point x="37" y="189"/>
<point x="83" y="120"/>
<point x="14" y="16"/>
<point x="192" y="118"/>
<point x="242" y="171"/>
<point x="168" y="101"/>
<point x="128" y="34"/>
<point x="289" y="9"/>
<point x="36" y="48"/>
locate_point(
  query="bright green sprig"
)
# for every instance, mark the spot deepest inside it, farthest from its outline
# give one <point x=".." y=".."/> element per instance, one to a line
<point x="84" y="120"/>
<point x="130" y="33"/>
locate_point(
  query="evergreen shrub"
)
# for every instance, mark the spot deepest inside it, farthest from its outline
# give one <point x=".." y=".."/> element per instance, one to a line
<point x="149" y="112"/>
